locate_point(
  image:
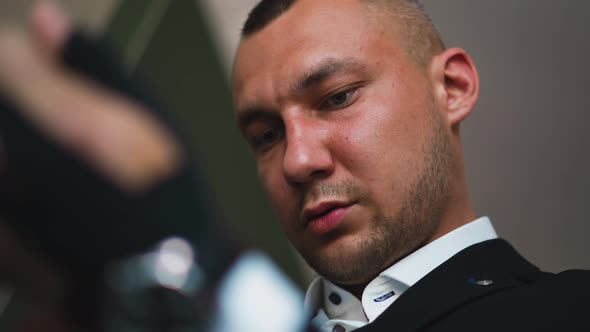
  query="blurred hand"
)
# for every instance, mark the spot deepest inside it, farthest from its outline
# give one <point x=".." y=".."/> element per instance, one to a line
<point x="110" y="132"/>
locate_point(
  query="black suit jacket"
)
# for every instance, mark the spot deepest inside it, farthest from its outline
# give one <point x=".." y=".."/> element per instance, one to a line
<point x="490" y="287"/>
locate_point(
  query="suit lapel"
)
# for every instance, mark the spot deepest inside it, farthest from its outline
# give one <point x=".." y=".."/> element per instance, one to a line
<point x="481" y="269"/>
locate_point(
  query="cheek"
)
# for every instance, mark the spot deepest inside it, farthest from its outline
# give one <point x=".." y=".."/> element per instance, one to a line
<point x="369" y="138"/>
<point x="383" y="144"/>
<point x="277" y="191"/>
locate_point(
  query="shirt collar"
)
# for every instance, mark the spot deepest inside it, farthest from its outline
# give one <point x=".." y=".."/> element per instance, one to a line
<point x="377" y="296"/>
<point x="422" y="261"/>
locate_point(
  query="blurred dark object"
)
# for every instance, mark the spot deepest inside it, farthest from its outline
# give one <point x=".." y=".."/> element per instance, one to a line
<point x="81" y="222"/>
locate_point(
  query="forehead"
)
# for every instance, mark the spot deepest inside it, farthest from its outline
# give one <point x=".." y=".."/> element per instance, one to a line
<point x="305" y="35"/>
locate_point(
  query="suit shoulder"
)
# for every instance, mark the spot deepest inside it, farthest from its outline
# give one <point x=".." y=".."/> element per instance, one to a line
<point x="566" y="277"/>
<point x="577" y="281"/>
<point x="574" y="274"/>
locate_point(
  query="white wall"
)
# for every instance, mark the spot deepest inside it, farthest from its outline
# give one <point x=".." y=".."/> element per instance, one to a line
<point x="527" y="144"/>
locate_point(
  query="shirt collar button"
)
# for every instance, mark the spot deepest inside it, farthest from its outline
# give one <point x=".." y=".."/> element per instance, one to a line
<point x="335" y="298"/>
<point x="338" y="328"/>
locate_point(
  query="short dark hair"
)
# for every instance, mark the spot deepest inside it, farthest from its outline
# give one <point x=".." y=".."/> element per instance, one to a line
<point x="264" y="13"/>
<point x="419" y="35"/>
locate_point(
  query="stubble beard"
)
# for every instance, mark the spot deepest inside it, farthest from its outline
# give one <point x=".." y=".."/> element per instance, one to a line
<point x="395" y="236"/>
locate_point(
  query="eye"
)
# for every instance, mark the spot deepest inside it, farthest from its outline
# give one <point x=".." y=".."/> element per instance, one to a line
<point x="264" y="140"/>
<point x="340" y="99"/>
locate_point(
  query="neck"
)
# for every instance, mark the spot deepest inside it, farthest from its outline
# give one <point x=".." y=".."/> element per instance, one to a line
<point x="356" y="290"/>
<point x="458" y="210"/>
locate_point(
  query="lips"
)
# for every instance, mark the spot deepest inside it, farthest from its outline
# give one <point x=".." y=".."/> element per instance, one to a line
<point x="325" y="216"/>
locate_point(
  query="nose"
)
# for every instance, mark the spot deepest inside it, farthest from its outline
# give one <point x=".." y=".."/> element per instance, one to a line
<point x="307" y="156"/>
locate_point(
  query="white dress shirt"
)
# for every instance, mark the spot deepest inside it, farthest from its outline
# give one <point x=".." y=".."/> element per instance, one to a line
<point x="338" y="310"/>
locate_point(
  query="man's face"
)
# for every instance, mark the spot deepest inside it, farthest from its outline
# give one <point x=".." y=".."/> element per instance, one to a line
<point x="348" y="141"/>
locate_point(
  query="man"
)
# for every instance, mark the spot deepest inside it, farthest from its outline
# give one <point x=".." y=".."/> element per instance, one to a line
<point x="353" y="111"/>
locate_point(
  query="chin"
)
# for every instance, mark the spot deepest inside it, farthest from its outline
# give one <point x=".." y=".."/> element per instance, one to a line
<point x="345" y="262"/>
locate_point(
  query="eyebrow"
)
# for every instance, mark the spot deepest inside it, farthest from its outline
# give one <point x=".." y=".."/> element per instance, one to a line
<point x="253" y="114"/>
<point x="321" y="72"/>
<point x="318" y="73"/>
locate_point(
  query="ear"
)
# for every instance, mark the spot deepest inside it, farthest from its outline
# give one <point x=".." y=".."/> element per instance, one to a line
<point x="456" y="84"/>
